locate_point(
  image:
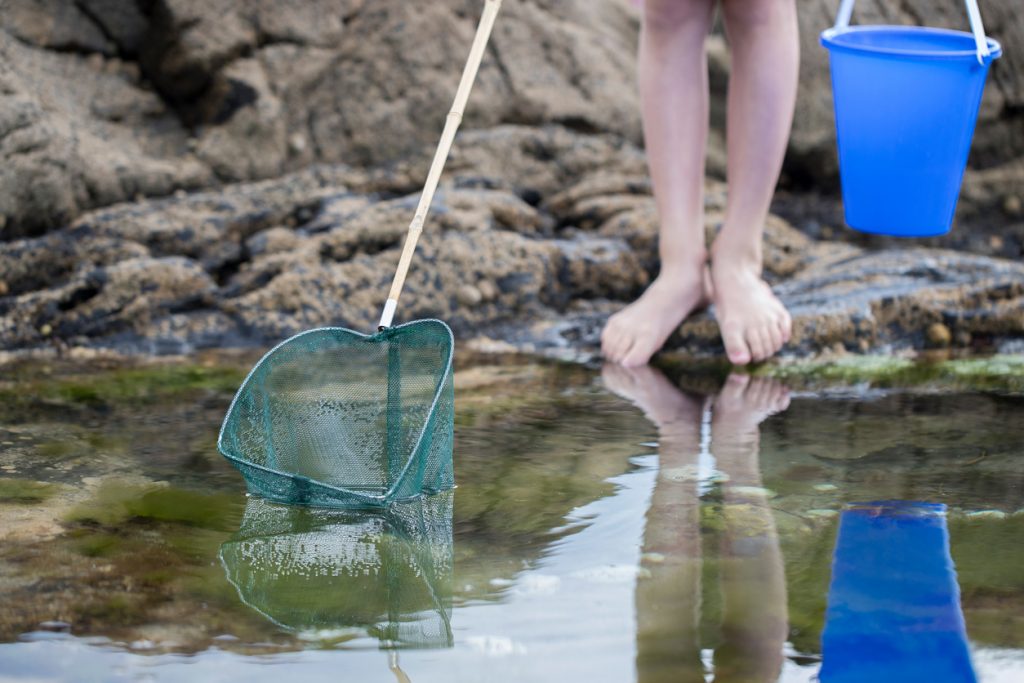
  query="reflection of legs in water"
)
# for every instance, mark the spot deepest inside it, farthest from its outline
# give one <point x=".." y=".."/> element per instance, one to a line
<point x="668" y="598"/>
<point x="754" y="619"/>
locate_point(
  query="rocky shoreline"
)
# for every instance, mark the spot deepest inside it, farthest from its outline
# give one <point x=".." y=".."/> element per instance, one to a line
<point x="133" y="217"/>
<point x="535" y="257"/>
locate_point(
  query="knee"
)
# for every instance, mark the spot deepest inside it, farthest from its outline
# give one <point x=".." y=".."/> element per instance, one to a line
<point x="672" y="15"/>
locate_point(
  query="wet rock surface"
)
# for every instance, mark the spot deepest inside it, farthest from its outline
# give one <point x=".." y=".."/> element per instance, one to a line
<point x="537" y="252"/>
<point x="544" y="223"/>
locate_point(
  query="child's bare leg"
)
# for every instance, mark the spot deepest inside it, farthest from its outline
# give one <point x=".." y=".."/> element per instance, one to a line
<point x="674" y="99"/>
<point x="762" y="93"/>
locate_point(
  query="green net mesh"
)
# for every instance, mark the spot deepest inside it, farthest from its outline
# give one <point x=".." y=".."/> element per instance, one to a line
<point x="327" y="573"/>
<point x="335" y="418"/>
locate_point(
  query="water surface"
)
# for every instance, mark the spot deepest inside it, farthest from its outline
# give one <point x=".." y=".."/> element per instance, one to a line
<point x="606" y="527"/>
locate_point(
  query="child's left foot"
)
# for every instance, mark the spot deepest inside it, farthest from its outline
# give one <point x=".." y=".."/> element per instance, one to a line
<point x="754" y="323"/>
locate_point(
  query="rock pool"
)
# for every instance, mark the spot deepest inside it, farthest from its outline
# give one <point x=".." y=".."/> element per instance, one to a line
<point x="607" y="526"/>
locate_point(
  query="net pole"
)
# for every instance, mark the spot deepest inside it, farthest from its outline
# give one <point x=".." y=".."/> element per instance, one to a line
<point x="476" y="53"/>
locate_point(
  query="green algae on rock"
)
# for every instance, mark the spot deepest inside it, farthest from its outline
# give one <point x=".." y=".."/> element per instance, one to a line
<point x="992" y="373"/>
<point x="25" y="491"/>
<point x="118" y="501"/>
<point x="132" y="384"/>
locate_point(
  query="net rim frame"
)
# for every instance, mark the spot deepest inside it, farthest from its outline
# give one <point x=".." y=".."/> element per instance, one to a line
<point x="365" y="497"/>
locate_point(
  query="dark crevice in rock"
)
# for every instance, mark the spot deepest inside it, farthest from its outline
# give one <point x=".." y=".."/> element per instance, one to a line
<point x="100" y="26"/>
<point x="531" y="196"/>
<point x="224" y="272"/>
<point x="311" y="117"/>
<point x="190" y="304"/>
<point x="348" y="17"/>
<point x="266" y="40"/>
<point x="499" y="62"/>
<point x="306" y="212"/>
<point x="366" y="247"/>
<point x="80" y="296"/>
<point x="14" y="127"/>
<point x="232" y="290"/>
<point x="63" y="49"/>
<point x="238" y="95"/>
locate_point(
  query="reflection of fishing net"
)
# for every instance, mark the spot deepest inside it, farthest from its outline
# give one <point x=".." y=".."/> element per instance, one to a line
<point x="335" y="418"/>
<point x="320" y="571"/>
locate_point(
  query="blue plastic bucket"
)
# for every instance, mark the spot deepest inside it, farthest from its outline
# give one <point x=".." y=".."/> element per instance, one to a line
<point x="906" y="101"/>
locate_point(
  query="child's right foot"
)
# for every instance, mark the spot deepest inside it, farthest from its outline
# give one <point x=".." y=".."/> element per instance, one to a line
<point x="637" y="332"/>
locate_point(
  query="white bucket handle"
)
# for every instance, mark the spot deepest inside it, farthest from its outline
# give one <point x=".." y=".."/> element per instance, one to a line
<point x="846" y="11"/>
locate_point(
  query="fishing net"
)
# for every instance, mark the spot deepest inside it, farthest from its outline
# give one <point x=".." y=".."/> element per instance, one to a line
<point x="335" y="418"/>
<point x="327" y="573"/>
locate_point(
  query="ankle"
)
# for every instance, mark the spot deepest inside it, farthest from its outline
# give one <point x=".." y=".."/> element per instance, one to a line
<point x="684" y="266"/>
<point x="680" y="277"/>
<point x="736" y="257"/>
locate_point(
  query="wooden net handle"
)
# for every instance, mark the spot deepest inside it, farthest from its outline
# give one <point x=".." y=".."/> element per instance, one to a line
<point x="451" y="125"/>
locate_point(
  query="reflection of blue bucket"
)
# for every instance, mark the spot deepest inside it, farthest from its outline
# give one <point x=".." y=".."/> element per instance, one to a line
<point x="906" y="101"/>
<point x="894" y="603"/>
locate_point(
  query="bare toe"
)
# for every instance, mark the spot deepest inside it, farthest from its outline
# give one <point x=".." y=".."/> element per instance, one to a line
<point x="785" y="331"/>
<point x="758" y="344"/>
<point x="637" y="355"/>
<point x="613" y="340"/>
<point x="735" y="345"/>
<point x="634" y="347"/>
<point x="775" y="336"/>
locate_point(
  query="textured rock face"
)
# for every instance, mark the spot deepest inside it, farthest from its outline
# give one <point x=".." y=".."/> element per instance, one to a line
<point x="544" y="223"/>
<point x="258" y="262"/>
<point x="103" y="100"/>
<point x="75" y="132"/>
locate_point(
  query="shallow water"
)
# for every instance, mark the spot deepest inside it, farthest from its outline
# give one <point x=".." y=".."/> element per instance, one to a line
<point x="605" y="528"/>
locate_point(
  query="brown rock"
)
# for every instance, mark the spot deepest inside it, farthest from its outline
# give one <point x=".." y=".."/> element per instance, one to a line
<point x="124" y="297"/>
<point x="468" y="295"/>
<point x="938" y="335"/>
<point x="488" y="290"/>
<point x="1012" y="205"/>
<point x="487" y="259"/>
<point x="272" y="241"/>
<point x="64" y="149"/>
<point x="251" y="138"/>
<point x="53" y="24"/>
